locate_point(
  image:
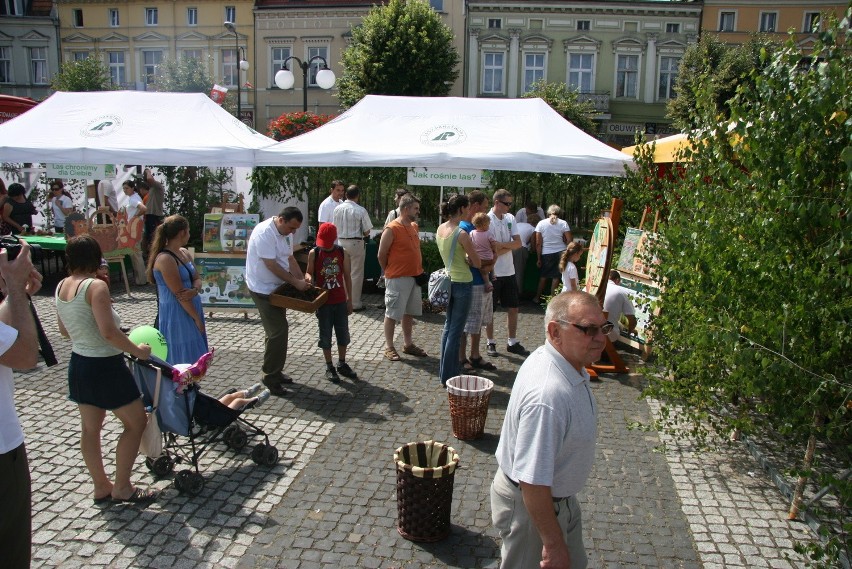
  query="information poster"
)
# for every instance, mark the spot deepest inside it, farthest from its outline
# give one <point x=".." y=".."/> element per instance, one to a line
<point x="228" y="232"/>
<point x="223" y="281"/>
<point x="645" y="299"/>
<point x="634" y="252"/>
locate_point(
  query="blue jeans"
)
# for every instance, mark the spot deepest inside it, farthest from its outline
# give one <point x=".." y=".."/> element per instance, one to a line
<point x="460" y="297"/>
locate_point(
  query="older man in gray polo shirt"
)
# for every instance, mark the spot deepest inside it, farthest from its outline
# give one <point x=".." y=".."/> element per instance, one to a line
<point x="547" y="445"/>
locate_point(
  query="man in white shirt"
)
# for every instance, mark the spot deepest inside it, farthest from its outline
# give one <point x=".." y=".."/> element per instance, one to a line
<point x="325" y="214"/>
<point x="617" y="303"/>
<point x="530" y="208"/>
<point x="547" y="443"/>
<point x="270" y="263"/>
<point x="18" y="350"/>
<point x="504" y="230"/>
<point x="353" y="225"/>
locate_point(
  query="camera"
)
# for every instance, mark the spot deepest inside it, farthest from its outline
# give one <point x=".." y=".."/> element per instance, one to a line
<point x="13" y="247"/>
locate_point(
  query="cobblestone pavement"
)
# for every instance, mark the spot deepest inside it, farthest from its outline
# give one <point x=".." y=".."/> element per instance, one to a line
<point x="331" y="500"/>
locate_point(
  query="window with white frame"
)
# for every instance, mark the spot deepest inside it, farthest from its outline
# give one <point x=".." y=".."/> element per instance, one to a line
<point x="231" y="14"/>
<point x="38" y="65"/>
<point x="668" y="77"/>
<point x="79" y="55"/>
<point x="11" y="8"/>
<point x="113" y="18"/>
<point x="192" y="16"/>
<point x="117" y="70"/>
<point x="151" y="60"/>
<point x="627" y="76"/>
<point x="278" y="56"/>
<point x="152" y="17"/>
<point x="495" y="23"/>
<point x="584" y="25"/>
<point x="811" y="22"/>
<point x="492" y="71"/>
<point x="768" y="21"/>
<point x="727" y="21"/>
<point x="672" y="28"/>
<point x="192" y="54"/>
<point x="5" y="64"/>
<point x="533" y="69"/>
<point x="229" y="68"/>
<point x="316" y="66"/>
<point x="77" y="17"/>
<point x="581" y="72"/>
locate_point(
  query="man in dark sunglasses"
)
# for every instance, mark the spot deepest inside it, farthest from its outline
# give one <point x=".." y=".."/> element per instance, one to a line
<point x="547" y="444"/>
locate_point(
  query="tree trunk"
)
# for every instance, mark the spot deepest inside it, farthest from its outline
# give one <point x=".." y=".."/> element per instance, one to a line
<point x="796" y="503"/>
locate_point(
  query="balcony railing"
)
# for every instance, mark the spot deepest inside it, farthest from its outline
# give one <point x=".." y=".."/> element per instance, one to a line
<point x="598" y="99"/>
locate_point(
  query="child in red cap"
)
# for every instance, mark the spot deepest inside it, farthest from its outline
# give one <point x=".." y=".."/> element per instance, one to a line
<point x="328" y="269"/>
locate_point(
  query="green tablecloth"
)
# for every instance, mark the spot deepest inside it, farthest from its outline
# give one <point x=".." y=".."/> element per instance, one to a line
<point x="49" y="242"/>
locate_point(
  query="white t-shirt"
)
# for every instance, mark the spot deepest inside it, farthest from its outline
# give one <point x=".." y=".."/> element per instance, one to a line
<point x="503" y="231"/>
<point x="266" y="242"/>
<point x="133" y="202"/>
<point x="552" y="235"/>
<point x="325" y="213"/>
<point x="58" y="216"/>
<point x="521" y="216"/>
<point x="617" y="302"/>
<point x="11" y="434"/>
<point x="525" y="230"/>
<point x="569" y="273"/>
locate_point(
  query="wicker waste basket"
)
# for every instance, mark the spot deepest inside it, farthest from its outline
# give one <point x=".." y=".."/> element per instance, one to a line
<point x="469" y="395"/>
<point x="424" y="489"/>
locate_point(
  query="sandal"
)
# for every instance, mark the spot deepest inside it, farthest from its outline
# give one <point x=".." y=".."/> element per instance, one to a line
<point x="102" y="500"/>
<point x="414" y="350"/>
<point x="479" y="363"/>
<point x="466" y="365"/>
<point x="139" y="496"/>
<point x="392" y="354"/>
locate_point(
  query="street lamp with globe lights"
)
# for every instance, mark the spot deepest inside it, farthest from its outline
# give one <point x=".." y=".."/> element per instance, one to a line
<point x="284" y="79"/>
<point x="242" y="66"/>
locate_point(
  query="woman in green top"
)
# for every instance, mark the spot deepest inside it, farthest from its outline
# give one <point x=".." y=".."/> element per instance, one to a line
<point x="459" y="256"/>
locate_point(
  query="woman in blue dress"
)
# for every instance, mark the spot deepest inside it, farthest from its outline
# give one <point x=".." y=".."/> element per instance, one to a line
<point x="181" y="317"/>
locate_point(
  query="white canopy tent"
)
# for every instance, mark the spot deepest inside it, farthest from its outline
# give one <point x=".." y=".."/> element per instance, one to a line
<point x="450" y="132"/>
<point x="130" y="127"/>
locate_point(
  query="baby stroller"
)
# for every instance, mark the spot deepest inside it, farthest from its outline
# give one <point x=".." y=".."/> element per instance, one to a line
<point x="184" y="411"/>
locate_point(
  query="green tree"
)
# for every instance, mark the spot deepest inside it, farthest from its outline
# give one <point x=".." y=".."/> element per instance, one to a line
<point x="757" y="288"/>
<point x="184" y="75"/>
<point x="90" y="74"/>
<point x="402" y="48"/>
<point x="565" y="101"/>
<point x="709" y="75"/>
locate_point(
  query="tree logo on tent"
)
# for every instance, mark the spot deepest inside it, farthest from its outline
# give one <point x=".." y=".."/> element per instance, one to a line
<point x="443" y="135"/>
<point x="101" y="126"/>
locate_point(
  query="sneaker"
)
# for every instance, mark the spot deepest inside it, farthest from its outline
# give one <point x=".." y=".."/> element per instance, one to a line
<point x="346" y="371"/>
<point x="518" y="349"/>
<point x="262" y="397"/>
<point x="491" y="349"/>
<point x="275" y="387"/>
<point x="253" y="390"/>
<point x="331" y="375"/>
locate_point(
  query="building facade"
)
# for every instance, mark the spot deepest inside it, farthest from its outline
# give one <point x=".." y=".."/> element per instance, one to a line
<point x="734" y="22"/>
<point x="29" y="52"/>
<point x="305" y="29"/>
<point x="621" y="56"/>
<point x="134" y="37"/>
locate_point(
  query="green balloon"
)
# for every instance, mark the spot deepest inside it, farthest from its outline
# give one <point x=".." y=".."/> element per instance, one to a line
<point x="153" y="337"/>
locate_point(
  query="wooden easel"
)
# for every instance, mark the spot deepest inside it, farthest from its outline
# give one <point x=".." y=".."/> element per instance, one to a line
<point x="616" y="364"/>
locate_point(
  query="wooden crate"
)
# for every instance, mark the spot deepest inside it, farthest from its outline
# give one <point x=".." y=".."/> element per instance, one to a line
<point x="283" y="301"/>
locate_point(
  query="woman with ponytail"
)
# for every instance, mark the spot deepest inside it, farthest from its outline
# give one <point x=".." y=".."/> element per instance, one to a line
<point x="180" y="315"/>
<point x="553" y="235"/>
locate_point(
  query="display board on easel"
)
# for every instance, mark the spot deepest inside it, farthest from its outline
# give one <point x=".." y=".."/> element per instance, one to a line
<point x="223" y="282"/>
<point x="599" y="258"/>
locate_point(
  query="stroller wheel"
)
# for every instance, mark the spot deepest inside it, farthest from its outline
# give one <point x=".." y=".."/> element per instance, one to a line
<point x="237" y="440"/>
<point x="163" y="466"/>
<point x="189" y="482"/>
<point x="257" y="453"/>
<point x="270" y="455"/>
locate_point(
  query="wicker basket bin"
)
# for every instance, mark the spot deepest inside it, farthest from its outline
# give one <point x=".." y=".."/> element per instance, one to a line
<point x="469" y="396"/>
<point x="425" y="473"/>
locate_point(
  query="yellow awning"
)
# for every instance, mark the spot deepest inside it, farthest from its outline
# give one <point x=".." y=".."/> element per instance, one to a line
<point x="665" y="149"/>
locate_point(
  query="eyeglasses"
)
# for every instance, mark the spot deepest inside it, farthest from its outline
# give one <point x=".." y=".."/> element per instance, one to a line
<point x="507" y="204"/>
<point x="591" y="330"/>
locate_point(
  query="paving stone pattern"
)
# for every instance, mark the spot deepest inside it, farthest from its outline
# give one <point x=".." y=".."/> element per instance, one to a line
<point x="331" y="501"/>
